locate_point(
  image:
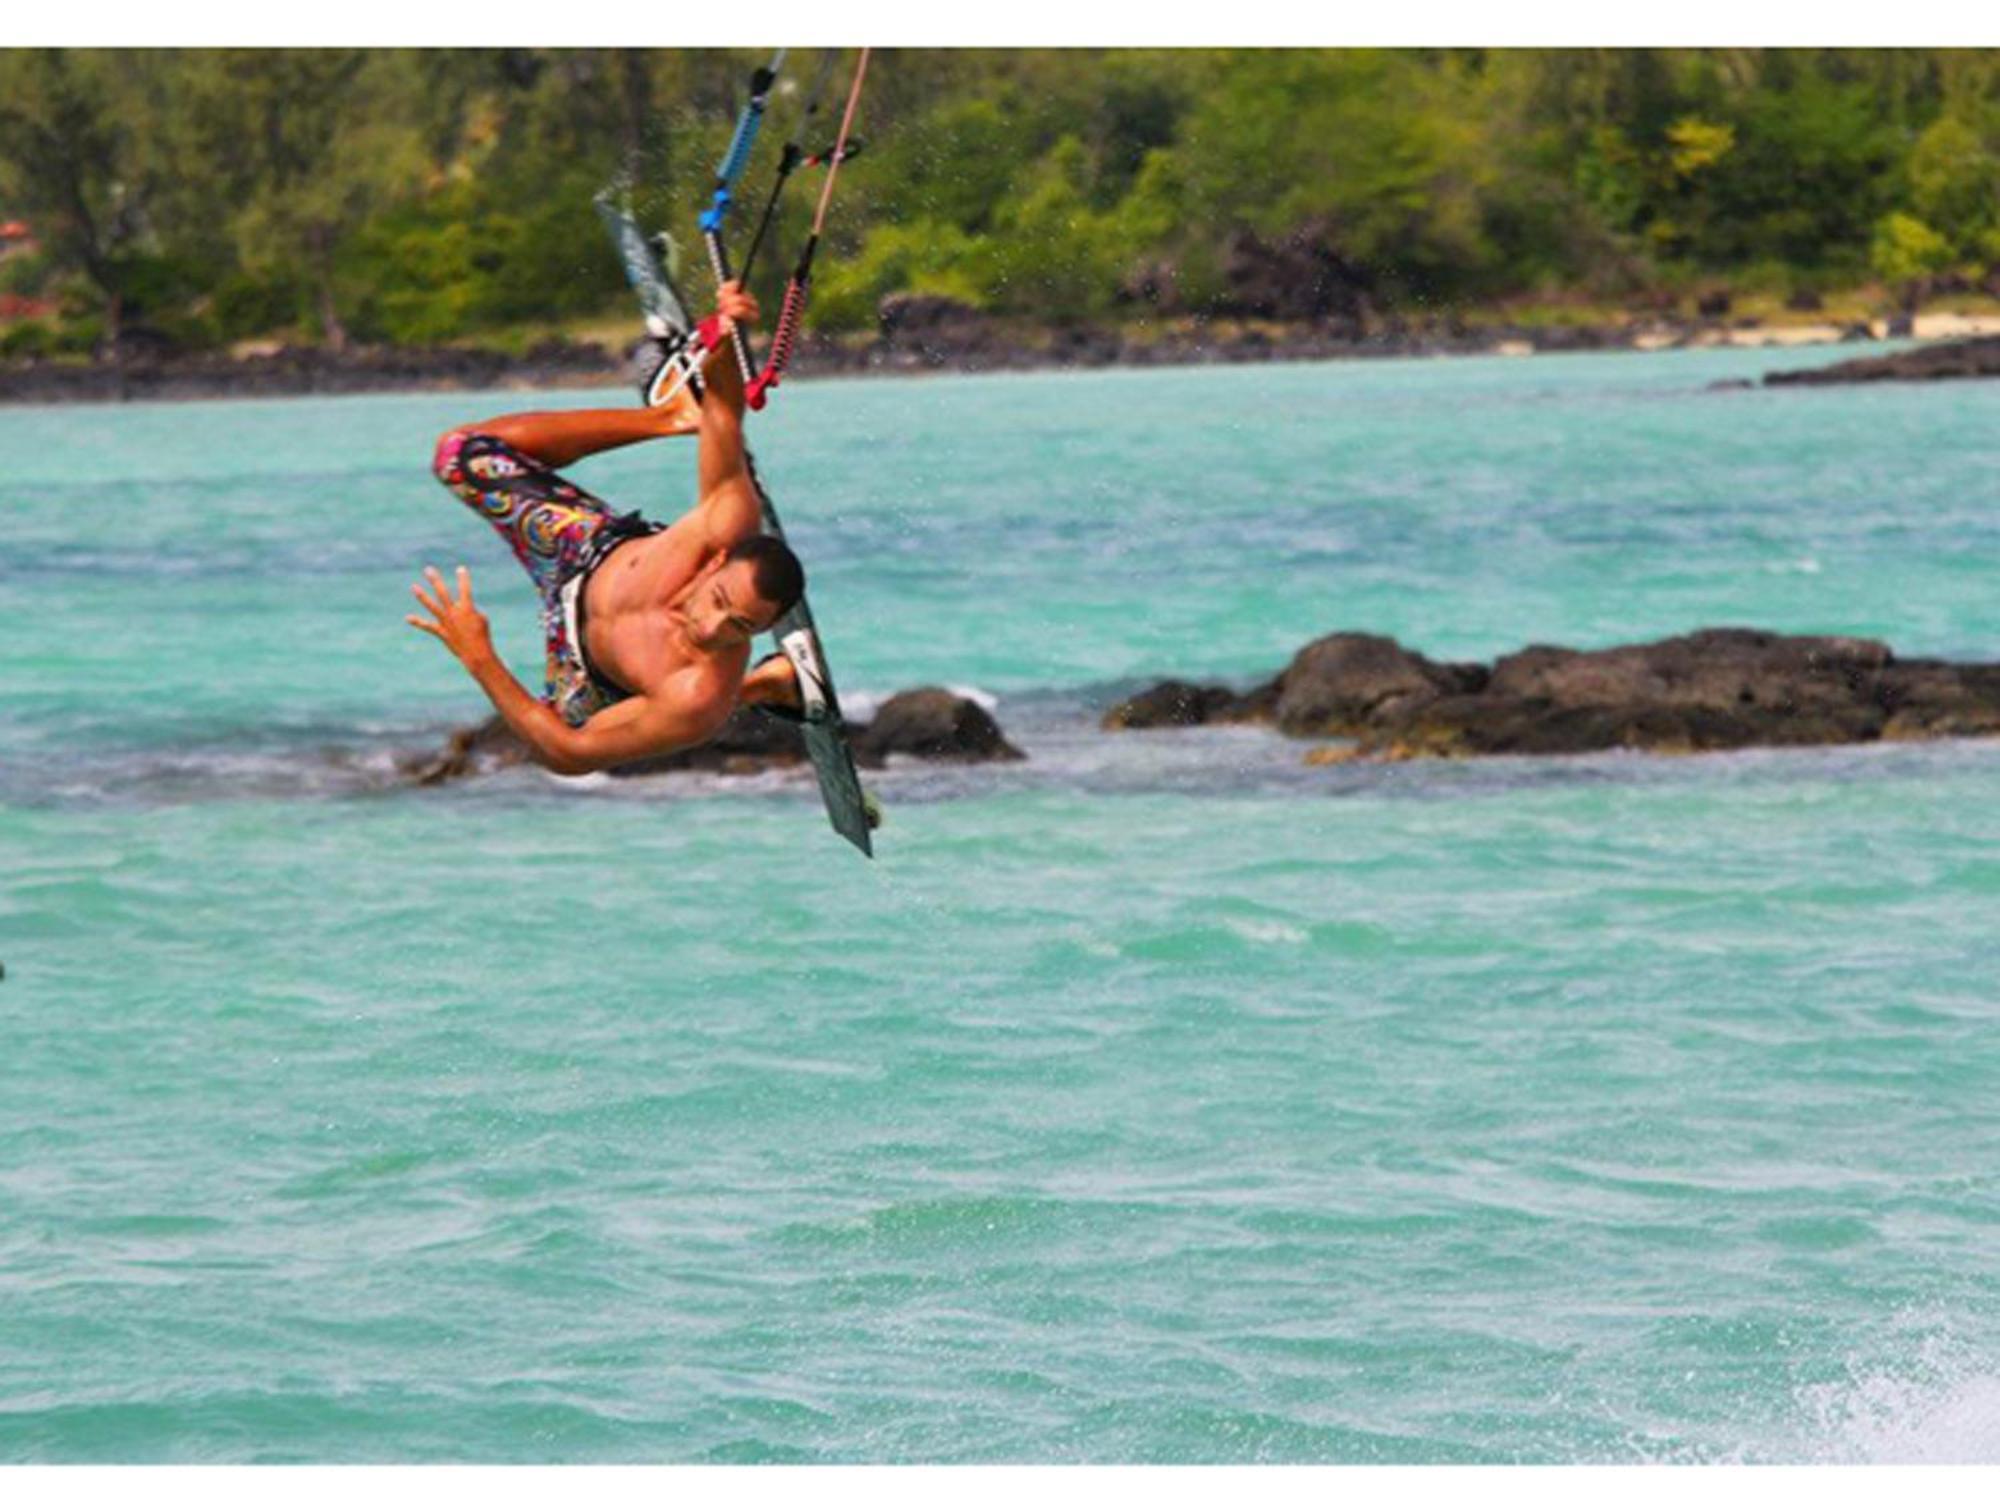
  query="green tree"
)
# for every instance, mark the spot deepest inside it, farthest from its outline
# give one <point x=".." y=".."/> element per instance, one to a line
<point x="1954" y="173"/>
<point x="314" y="143"/>
<point x="1811" y="173"/>
<point x="74" y="129"/>
<point x="1905" y="250"/>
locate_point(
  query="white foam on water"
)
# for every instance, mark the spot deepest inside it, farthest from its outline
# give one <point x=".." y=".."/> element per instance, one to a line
<point x="589" y="781"/>
<point x="1264" y="931"/>
<point x="984" y="699"/>
<point x="1941" y="1406"/>
<point x="859" y="705"/>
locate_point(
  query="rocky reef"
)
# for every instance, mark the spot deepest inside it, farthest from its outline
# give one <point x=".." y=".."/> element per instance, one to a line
<point x="1721" y="689"/>
<point x="1958" y="360"/>
<point x="929" y="723"/>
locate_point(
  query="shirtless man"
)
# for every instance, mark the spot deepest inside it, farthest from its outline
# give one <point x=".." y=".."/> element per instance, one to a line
<point x="648" y="627"/>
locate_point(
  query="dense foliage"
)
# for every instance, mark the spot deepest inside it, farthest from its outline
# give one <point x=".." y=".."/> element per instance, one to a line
<point x="196" y="197"/>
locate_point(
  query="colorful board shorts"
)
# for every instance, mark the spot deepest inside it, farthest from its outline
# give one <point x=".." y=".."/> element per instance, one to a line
<point x="559" y="532"/>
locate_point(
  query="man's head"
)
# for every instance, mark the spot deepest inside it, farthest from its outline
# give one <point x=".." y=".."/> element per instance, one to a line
<point x="744" y="591"/>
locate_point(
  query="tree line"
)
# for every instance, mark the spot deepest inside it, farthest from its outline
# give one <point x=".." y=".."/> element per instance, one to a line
<point x="195" y="197"/>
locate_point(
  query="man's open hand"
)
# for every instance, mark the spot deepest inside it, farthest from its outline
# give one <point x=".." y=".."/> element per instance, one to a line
<point x="455" y="621"/>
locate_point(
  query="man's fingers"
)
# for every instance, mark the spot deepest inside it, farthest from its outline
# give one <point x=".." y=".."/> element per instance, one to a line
<point x="436" y="609"/>
<point x="464" y="584"/>
<point x="424" y="625"/>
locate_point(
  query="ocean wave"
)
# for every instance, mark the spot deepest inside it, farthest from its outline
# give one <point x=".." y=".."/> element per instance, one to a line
<point x="1938" y="1405"/>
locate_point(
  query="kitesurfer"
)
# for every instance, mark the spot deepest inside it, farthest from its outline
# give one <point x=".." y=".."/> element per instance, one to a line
<point x="648" y="627"/>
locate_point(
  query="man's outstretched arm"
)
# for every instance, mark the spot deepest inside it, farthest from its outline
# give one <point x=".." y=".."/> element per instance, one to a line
<point x="625" y="731"/>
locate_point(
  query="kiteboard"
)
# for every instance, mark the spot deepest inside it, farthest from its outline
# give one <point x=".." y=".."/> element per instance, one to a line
<point x="665" y="314"/>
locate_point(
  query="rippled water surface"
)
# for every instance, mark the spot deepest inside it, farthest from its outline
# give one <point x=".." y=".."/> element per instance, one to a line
<point x="1157" y="1098"/>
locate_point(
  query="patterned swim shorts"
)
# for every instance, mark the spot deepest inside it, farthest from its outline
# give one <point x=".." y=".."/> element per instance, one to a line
<point x="558" y="531"/>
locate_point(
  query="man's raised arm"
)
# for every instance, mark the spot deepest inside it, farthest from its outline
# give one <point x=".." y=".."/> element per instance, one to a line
<point x="727" y="499"/>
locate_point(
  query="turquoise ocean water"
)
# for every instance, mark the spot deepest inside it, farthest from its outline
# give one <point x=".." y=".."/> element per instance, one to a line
<point x="1158" y="1098"/>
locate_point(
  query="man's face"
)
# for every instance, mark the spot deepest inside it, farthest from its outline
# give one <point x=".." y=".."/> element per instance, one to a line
<point x="726" y="609"/>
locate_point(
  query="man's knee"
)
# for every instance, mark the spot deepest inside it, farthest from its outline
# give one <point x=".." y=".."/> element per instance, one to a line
<point x="445" y="459"/>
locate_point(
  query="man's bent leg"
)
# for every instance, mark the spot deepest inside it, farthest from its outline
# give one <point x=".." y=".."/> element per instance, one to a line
<point x="542" y="516"/>
<point x="558" y="438"/>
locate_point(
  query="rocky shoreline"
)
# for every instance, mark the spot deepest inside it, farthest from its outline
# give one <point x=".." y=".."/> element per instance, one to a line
<point x="304" y="372"/>
<point x="1723" y="689"/>
<point x="922" y="334"/>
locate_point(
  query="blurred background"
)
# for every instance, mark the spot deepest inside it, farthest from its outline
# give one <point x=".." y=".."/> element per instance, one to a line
<point x="200" y="199"/>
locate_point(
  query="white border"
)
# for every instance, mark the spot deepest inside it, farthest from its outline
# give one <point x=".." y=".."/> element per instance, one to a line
<point x="1009" y="23"/>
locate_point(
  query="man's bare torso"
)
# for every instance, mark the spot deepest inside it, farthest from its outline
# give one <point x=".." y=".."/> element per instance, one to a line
<point x="669" y="617"/>
<point x="634" y="633"/>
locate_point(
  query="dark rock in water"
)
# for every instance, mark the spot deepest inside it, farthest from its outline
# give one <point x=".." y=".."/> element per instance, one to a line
<point x="1711" y="690"/>
<point x="1175" y="704"/>
<point x="1335" y="686"/>
<point x="485" y="747"/>
<point x="748" y="743"/>
<point x="1928" y="700"/>
<point x="935" y="724"/>
<point x="1714" y="689"/>
<point x="1711" y="668"/>
<point x="1340" y="684"/>
<point x="1960" y="359"/>
<point x="930" y="723"/>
